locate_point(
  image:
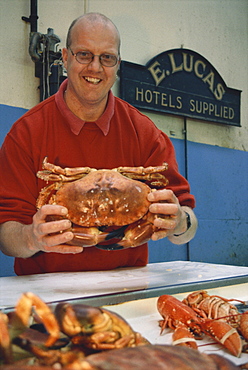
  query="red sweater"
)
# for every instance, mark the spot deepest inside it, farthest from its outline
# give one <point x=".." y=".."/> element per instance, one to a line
<point x="122" y="136"/>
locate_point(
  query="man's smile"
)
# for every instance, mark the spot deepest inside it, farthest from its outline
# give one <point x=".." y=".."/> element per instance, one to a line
<point x="92" y="80"/>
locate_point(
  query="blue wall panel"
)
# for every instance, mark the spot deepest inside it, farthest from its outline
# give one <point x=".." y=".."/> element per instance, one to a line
<point x="219" y="181"/>
<point x="8" y="115"/>
<point x="221" y="241"/>
<point x="6" y="265"/>
<point x="163" y="251"/>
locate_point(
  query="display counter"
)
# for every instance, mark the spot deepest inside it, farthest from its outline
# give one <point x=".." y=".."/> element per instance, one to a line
<point x="121" y="285"/>
<point x="133" y="292"/>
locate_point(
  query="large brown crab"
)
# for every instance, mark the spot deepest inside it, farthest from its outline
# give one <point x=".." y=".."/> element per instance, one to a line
<point x="99" y="199"/>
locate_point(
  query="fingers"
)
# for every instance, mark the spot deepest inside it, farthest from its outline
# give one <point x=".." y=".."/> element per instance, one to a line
<point x="168" y="223"/>
<point x="159" y="235"/>
<point x="166" y="227"/>
<point x="50" y="209"/>
<point x="64" y="249"/>
<point x="51" y="236"/>
<point x="168" y="210"/>
<point x="52" y="227"/>
<point x="164" y="195"/>
<point x="165" y="202"/>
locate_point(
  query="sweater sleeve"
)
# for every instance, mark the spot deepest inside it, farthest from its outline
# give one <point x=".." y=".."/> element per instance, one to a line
<point x="164" y="151"/>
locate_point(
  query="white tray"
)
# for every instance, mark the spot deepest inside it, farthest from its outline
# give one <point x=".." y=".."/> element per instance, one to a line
<point x="143" y="316"/>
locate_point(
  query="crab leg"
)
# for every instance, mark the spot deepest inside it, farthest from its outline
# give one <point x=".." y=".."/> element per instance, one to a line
<point x="67" y="171"/>
<point x="150" y="174"/>
<point x="21" y="316"/>
<point x="92" y="236"/>
<point x="5" y="347"/>
<point x="143" y="170"/>
<point x="44" y="195"/>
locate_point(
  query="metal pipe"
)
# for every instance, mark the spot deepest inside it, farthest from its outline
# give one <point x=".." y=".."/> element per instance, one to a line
<point x="32" y="19"/>
<point x="185" y="147"/>
<point x="34" y="15"/>
<point x="186" y="169"/>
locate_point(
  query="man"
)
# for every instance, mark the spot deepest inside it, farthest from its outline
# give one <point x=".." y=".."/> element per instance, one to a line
<point x="83" y="124"/>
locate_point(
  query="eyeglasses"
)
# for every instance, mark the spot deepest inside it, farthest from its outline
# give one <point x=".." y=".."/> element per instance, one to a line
<point x="86" y="57"/>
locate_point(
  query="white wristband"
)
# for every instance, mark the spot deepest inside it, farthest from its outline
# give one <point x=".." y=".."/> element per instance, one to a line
<point x="188" y="224"/>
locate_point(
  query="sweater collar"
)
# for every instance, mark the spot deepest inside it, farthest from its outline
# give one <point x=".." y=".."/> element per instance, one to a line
<point x="76" y="124"/>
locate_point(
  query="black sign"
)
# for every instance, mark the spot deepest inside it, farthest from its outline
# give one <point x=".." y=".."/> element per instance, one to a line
<point x="181" y="82"/>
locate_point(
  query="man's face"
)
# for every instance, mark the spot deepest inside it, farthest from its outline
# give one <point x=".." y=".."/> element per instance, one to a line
<point x="89" y="84"/>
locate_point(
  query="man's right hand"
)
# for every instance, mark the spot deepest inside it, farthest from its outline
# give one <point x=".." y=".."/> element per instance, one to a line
<point x="23" y="241"/>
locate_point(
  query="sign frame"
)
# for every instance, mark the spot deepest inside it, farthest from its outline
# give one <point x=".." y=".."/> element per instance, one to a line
<point x="180" y="82"/>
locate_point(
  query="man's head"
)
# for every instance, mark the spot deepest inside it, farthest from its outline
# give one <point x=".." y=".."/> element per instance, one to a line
<point x="92" y="59"/>
<point x="92" y="17"/>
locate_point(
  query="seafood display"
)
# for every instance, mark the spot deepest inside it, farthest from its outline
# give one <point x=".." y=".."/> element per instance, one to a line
<point x="200" y="314"/>
<point x="101" y="199"/>
<point x="216" y="307"/>
<point x="81" y="337"/>
<point x="76" y="329"/>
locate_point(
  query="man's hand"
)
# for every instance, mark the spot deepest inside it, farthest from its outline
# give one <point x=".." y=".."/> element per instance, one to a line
<point x="172" y="217"/>
<point x="51" y="236"/>
<point x="19" y="240"/>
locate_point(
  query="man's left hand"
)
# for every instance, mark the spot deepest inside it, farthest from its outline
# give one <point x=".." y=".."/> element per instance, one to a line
<point x="172" y="217"/>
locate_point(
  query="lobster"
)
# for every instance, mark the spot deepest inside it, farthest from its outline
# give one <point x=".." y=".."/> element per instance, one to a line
<point x="216" y="307"/>
<point x="188" y="325"/>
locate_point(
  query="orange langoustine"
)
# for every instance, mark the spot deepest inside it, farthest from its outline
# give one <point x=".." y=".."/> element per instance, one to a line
<point x="189" y="322"/>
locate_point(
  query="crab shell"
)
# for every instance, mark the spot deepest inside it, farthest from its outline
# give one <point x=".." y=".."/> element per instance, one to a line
<point x="103" y="205"/>
<point x="103" y="198"/>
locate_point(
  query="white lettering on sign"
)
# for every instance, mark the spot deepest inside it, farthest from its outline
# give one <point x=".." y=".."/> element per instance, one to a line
<point x="157" y="74"/>
<point x="203" y="107"/>
<point x="189" y="65"/>
<point x="155" y="97"/>
<point x="176" y="102"/>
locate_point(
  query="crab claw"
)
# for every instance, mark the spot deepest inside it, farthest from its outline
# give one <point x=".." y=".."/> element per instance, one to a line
<point x="23" y="311"/>
<point x="110" y="237"/>
<point x="224" y="334"/>
<point x="136" y="234"/>
<point x="5" y="347"/>
<point x="87" y="236"/>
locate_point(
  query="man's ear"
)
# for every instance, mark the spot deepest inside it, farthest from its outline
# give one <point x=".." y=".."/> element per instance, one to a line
<point x="118" y="70"/>
<point x="65" y="56"/>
